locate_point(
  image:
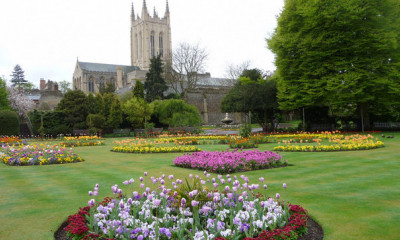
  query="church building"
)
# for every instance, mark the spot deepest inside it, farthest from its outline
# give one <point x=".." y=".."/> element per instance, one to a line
<point x="150" y="36"/>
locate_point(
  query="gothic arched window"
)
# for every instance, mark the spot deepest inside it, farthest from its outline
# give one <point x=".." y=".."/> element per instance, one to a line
<point x="91" y="84"/>
<point x="152" y="52"/>
<point x="161" y="44"/>
<point x="140" y="45"/>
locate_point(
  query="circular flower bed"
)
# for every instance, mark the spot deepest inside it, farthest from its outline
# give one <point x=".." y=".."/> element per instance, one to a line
<point x="231" y="161"/>
<point x="37" y="155"/>
<point x="190" y="210"/>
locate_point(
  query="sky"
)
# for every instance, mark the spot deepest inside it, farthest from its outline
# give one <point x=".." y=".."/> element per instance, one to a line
<point x="45" y="37"/>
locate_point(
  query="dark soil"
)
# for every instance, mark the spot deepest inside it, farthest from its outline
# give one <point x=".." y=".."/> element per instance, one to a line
<point x="315" y="232"/>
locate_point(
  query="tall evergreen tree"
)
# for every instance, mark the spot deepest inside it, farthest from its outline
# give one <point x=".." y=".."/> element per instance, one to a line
<point x="138" y="90"/>
<point x="155" y="84"/>
<point x="344" y="56"/>
<point x="18" y="76"/>
<point x="74" y="105"/>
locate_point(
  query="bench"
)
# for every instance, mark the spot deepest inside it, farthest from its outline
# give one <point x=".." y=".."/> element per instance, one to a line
<point x="80" y="132"/>
<point x="121" y="132"/>
<point x="182" y="130"/>
<point x="387" y="125"/>
<point x="150" y="132"/>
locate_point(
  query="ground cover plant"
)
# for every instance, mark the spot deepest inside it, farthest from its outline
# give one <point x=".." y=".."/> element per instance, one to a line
<point x="39" y="154"/>
<point x="190" y="210"/>
<point x="352" y="194"/>
<point x="230" y="161"/>
<point x="82" y="141"/>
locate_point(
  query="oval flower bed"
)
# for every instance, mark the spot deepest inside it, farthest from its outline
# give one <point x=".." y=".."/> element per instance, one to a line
<point x="152" y="149"/>
<point x="336" y="143"/>
<point x="231" y="161"/>
<point x="37" y="155"/>
<point x="82" y="141"/>
<point x="190" y="211"/>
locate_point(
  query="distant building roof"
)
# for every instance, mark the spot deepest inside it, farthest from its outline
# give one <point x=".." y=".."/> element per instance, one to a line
<point x="103" y="67"/>
<point x="35" y="97"/>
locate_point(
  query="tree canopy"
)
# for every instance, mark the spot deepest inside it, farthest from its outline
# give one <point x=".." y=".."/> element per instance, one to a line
<point x="4" y="105"/>
<point x="177" y="113"/>
<point x="344" y="56"/>
<point x="252" y="93"/>
<point x="74" y="105"/>
<point x="154" y="85"/>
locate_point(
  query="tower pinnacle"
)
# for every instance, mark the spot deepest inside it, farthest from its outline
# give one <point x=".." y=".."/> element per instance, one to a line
<point x="133" y="14"/>
<point x="167" y="8"/>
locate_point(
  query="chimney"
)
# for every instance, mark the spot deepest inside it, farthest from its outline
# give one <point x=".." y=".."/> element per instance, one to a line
<point x="119" y="77"/>
<point x="42" y="84"/>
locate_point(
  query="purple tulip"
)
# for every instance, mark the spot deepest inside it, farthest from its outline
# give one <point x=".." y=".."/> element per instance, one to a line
<point x="265" y="186"/>
<point x="261" y="179"/>
<point x="135" y="194"/>
<point x="183" y="202"/>
<point x="191" y="175"/>
<point x="284" y="185"/>
<point x="171" y="177"/>
<point x="95" y="193"/>
<point x="145" y="173"/>
<point x="142" y="185"/>
<point x="227" y="188"/>
<point x="215" y="185"/>
<point x="130" y="201"/>
<point x="240" y="199"/>
<point x="131" y="181"/>
<point x="125" y="182"/>
<point x="141" y="179"/>
<point x="157" y="202"/>
<point x="194" y="203"/>
<point x="205" y="172"/>
<point x="90" y="193"/>
<point x="91" y="202"/>
<point x="278" y="196"/>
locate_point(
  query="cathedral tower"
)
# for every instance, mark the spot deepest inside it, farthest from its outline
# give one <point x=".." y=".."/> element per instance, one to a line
<point x="150" y="36"/>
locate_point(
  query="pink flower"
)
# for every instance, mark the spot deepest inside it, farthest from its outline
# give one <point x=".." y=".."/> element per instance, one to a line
<point x="157" y="202"/>
<point x="91" y="202"/>
<point x="125" y="182"/>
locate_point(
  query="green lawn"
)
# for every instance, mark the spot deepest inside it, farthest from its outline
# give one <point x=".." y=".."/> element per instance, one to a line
<point x="353" y="195"/>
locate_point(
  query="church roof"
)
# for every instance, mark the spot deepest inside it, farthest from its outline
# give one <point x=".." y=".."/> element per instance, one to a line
<point x="103" y="67"/>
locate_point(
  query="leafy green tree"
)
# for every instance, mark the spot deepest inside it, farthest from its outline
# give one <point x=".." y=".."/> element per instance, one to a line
<point x="4" y="105"/>
<point x="91" y="101"/>
<point x="138" y="112"/>
<point x="99" y="104"/>
<point x="253" y="94"/>
<point x="155" y="85"/>
<point x="138" y="90"/>
<point x="96" y="121"/>
<point x="344" y="56"/>
<point x="74" y="105"/>
<point x="177" y="113"/>
<point x="65" y="86"/>
<point x="18" y="76"/>
<point x="115" y="118"/>
<point x="108" y="99"/>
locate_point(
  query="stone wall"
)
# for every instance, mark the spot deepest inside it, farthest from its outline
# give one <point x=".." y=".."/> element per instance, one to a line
<point x="208" y="103"/>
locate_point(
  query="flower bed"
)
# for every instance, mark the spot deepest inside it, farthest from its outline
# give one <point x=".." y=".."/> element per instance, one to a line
<point x="244" y="143"/>
<point x="230" y="161"/>
<point x="189" y="211"/>
<point x="37" y="155"/>
<point x="151" y="149"/>
<point x="336" y="143"/>
<point x="9" y="140"/>
<point x="82" y="141"/>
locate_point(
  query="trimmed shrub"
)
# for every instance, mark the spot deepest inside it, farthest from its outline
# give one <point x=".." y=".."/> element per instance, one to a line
<point x="9" y="123"/>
